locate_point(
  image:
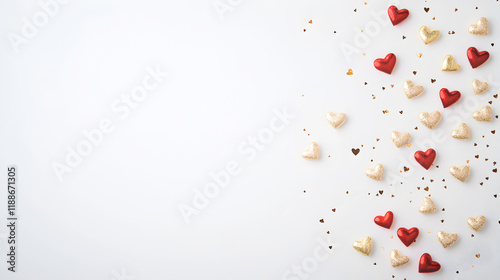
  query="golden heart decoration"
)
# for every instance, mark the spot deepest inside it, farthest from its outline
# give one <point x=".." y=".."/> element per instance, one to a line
<point x="461" y="173"/>
<point x="427" y="35"/>
<point x="311" y="152"/>
<point x="375" y="173"/>
<point x="427" y="206"/>
<point x="411" y="90"/>
<point x="479" y="87"/>
<point x="430" y="120"/>
<point x="447" y="239"/>
<point x="461" y="132"/>
<point x="449" y="64"/>
<point x="397" y="259"/>
<point x="485" y="114"/>
<point x="476" y="223"/>
<point x="400" y="139"/>
<point x="336" y="120"/>
<point x="480" y="27"/>
<point x="364" y="246"/>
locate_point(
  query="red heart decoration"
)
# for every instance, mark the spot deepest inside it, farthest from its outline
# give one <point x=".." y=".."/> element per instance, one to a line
<point x="449" y="98"/>
<point x="407" y="236"/>
<point x="477" y="58"/>
<point x="425" y="159"/>
<point x="386" y="220"/>
<point x="397" y="16"/>
<point x="426" y="264"/>
<point x="385" y="64"/>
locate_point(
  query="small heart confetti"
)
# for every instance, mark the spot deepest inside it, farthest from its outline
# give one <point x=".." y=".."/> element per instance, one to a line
<point x="336" y="120"/>
<point x="411" y="90"/>
<point x="398" y="259"/>
<point x="485" y="114"/>
<point x="477" y="58"/>
<point x="426" y="264"/>
<point x="312" y="151"/>
<point x="461" y="133"/>
<point x="427" y="206"/>
<point x="446" y="239"/>
<point x="480" y="27"/>
<point x="449" y="65"/>
<point x="476" y="223"/>
<point x="375" y="173"/>
<point x="385" y="221"/>
<point x="461" y="173"/>
<point x="400" y="139"/>
<point x="430" y="120"/>
<point x="364" y="246"/>
<point x="449" y="98"/>
<point x="407" y="236"/>
<point x="427" y="35"/>
<point x="386" y="64"/>
<point x="425" y="159"/>
<point x="479" y="87"/>
<point x="397" y="16"/>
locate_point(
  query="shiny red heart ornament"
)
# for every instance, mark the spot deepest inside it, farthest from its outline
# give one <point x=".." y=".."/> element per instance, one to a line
<point x="385" y="64"/>
<point x="426" y="264"/>
<point x="425" y="159"/>
<point x="396" y="15"/>
<point x="477" y="58"/>
<point x="386" y="220"/>
<point x="407" y="236"/>
<point x="449" y="98"/>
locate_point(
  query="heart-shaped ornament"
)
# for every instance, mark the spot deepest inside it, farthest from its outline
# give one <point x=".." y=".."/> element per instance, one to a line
<point x="427" y="206"/>
<point x="461" y="173"/>
<point x="447" y="239"/>
<point x="427" y="35"/>
<point x="479" y="87"/>
<point x="407" y="236"/>
<point x="480" y="27"/>
<point x="311" y="152"/>
<point x="485" y="114"/>
<point x="400" y="139"/>
<point x="425" y="159"/>
<point x="364" y="246"/>
<point x="385" y="221"/>
<point x="336" y="120"/>
<point x="411" y="90"/>
<point x="397" y="259"/>
<point x="477" y="58"/>
<point x="449" y="98"/>
<point x="476" y="223"/>
<point x="386" y="64"/>
<point x="430" y="120"/>
<point x="461" y="132"/>
<point x="375" y="173"/>
<point x="426" y="264"/>
<point x="397" y="16"/>
<point x="449" y="64"/>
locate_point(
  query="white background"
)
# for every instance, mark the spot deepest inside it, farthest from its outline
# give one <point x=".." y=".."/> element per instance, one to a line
<point x="117" y="216"/>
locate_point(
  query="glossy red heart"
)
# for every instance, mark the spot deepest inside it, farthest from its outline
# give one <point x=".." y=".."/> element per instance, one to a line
<point x="407" y="236"/>
<point x="477" y="58"/>
<point x="386" y="220"/>
<point x="425" y="159"/>
<point x="396" y="15"/>
<point x="449" y="98"/>
<point x="385" y="64"/>
<point x="426" y="264"/>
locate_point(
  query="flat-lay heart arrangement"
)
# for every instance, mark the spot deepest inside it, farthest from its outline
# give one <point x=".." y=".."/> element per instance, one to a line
<point x="426" y="158"/>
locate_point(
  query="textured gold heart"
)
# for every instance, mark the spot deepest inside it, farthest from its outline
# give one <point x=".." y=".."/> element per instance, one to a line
<point x="427" y="35"/>
<point x="411" y="90"/>
<point x="449" y="65"/>
<point x="335" y="120"/>
<point x="364" y="246"/>
<point x="476" y="223"/>
<point x="461" y="173"/>
<point x="483" y="115"/>
<point x="375" y="173"/>
<point x="447" y="239"/>
<point x="479" y="87"/>
<point x="480" y="27"/>
<point x="427" y="206"/>
<point x="430" y="120"/>
<point x="400" y="139"/>
<point x="311" y="152"/>
<point x="461" y="133"/>
<point x="397" y="259"/>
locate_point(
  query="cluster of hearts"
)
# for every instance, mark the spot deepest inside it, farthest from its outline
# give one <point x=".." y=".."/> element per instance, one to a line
<point x="425" y="159"/>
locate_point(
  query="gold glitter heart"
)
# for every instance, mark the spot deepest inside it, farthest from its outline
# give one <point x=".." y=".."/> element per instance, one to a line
<point x="397" y="259"/>
<point x="335" y="120"/>
<point x="483" y="115"/>
<point x="480" y="27"/>
<point x="427" y="35"/>
<point x="447" y="239"/>
<point x="364" y="246"/>
<point x="476" y="223"/>
<point x="430" y="120"/>
<point x="479" y="87"/>
<point x="400" y="139"/>
<point x="461" y="133"/>
<point x="461" y="173"/>
<point x="375" y="173"/>
<point x="449" y="65"/>
<point x="411" y="90"/>
<point x="427" y="206"/>
<point x="312" y="151"/>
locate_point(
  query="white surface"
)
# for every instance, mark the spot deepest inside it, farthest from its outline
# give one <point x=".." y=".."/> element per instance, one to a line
<point x="118" y="212"/>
